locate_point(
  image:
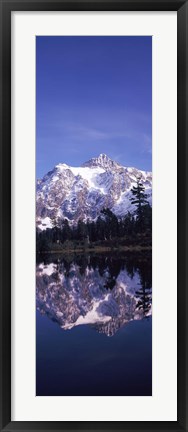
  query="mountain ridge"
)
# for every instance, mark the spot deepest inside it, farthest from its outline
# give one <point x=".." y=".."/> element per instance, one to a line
<point x="82" y="192"/>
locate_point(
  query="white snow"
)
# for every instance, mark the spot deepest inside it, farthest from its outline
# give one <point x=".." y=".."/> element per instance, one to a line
<point x="45" y="223"/>
<point x="88" y="174"/>
<point x="62" y="166"/>
<point x="91" y="317"/>
<point x="49" y="269"/>
<point x="54" y="179"/>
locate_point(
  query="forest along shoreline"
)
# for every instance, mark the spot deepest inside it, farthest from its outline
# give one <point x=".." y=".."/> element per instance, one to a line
<point x="97" y="249"/>
<point x="108" y="233"/>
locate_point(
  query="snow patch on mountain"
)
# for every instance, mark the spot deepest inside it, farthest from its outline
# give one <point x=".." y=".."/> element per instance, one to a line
<point x="91" y="176"/>
<point x="82" y="192"/>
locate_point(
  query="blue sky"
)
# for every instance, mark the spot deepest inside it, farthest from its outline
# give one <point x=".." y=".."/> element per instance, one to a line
<point x="94" y="95"/>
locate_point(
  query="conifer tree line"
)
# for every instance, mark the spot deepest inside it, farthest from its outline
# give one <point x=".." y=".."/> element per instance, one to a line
<point x="107" y="226"/>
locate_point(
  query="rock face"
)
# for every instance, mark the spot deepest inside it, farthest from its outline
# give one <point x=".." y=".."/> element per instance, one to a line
<point x="102" y="161"/>
<point x="73" y="297"/>
<point x="82" y="192"/>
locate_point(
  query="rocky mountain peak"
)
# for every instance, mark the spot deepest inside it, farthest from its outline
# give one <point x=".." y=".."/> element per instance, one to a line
<point x="80" y="193"/>
<point x="102" y="161"/>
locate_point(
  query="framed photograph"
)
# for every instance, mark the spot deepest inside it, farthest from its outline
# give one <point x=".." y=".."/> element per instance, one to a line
<point x="93" y="215"/>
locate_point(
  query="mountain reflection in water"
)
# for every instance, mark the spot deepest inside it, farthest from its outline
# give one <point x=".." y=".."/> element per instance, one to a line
<point x="105" y="292"/>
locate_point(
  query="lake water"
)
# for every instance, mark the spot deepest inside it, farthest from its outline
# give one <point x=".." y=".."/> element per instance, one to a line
<point x="94" y="325"/>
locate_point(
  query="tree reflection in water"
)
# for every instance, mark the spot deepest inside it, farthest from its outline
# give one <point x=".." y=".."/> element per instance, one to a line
<point x="104" y="291"/>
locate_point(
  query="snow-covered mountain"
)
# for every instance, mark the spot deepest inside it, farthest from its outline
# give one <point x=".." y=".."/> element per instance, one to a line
<point x="82" y="192"/>
<point x="74" y="297"/>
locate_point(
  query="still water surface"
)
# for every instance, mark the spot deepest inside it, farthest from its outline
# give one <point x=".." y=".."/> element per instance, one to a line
<point x="94" y="327"/>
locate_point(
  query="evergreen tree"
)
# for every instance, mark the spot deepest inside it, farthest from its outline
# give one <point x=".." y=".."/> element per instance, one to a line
<point x="139" y="199"/>
<point x="128" y="224"/>
<point x="66" y="230"/>
<point x="147" y="216"/>
<point x="144" y="294"/>
<point x="92" y="232"/>
<point x="111" y="223"/>
<point x="55" y="229"/>
<point x="100" y="228"/>
<point x="81" y="230"/>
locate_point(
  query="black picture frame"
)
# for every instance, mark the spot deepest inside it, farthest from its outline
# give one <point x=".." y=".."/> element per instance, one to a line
<point x="6" y="7"/>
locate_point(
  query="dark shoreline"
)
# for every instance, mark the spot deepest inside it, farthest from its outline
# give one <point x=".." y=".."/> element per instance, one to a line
<point x="98" y="249"/>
